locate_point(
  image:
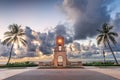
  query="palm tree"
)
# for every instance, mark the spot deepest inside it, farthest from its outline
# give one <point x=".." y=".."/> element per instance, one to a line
<point x="15" y="36"/>
<point x="106" y="36"/>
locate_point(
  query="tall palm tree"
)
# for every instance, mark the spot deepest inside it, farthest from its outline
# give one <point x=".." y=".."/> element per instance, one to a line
<point x="15" y="36"/>
<point x="106" y="36"/>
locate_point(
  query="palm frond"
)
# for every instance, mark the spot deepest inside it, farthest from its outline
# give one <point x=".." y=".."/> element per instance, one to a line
<point x="113" y="34"/>
<point x="104" y="26"/>
<point x="99" y="39"/>
<point x="21" y="34"/>
<point x="112" y="39"/>
<point x="101" y="35"/>
<point x="17" y="41"/>
<point x="110" y="27"/>
<point x="104" y="40"/>
<point x="16" y="29"/>
<point x="21" y="30"/>
<point x="19" y="27"/>
<point x="6" y="40"/>
<point x="8" y="34"/>
<point x="10" y="42"/>
<point x="24" y="42"/>
<point x="10" y="27"/>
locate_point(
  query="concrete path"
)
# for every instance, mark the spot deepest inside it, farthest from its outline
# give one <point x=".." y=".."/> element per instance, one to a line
<point x="65" y="74"/>
<point x="5" y="73"/>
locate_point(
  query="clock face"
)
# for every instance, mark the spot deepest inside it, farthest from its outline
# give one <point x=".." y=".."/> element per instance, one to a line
<point x="60" y="41"/>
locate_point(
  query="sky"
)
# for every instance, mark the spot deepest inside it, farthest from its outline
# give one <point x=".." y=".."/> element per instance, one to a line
<point x="81" y="18"/>
<point x="40" y="15"/>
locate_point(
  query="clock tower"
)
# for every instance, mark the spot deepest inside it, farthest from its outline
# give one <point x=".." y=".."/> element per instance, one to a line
<point x="60" y="57"/>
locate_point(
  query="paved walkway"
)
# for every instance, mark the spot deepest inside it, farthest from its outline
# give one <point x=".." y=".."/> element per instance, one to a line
<point x="61" y="74"/>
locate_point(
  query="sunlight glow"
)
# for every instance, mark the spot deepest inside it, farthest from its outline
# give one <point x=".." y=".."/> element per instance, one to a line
<point x="60" y="41"/>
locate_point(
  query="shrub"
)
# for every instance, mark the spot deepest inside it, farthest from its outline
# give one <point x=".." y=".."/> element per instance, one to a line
<point x="100" y="64"/>
<point x="21" y="64"/>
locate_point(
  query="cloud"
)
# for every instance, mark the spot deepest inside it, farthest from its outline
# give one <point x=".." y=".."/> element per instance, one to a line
<point x="87" y="16"/>
<point x="48" y="39"/>
<point x="116" y="23"/>
<point x="62" y="30"/>
<point x="4" y="50"/>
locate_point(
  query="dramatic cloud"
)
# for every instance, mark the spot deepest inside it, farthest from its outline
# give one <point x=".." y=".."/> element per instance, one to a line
<point x="4" y="50"/>
<point x="64" y="31"/>
<point x="32" y="42"/>
<point x="87" y="16"/>
<point x="116" y="28"/>
<point x="48" y="39"/>
<point x="116" y="22"/>
<point x="28" y="32"/>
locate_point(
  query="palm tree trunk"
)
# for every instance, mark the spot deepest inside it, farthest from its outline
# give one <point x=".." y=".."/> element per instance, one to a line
<point x="10" y="54"/>
<point x="112" y="52"/>
<point x="104" y="59"/>
<point x="104" y="56"/>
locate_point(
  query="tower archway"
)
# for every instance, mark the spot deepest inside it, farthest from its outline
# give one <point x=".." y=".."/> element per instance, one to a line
<point x="60" y="59"/>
